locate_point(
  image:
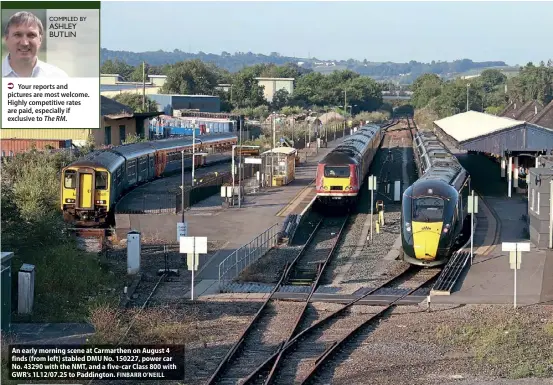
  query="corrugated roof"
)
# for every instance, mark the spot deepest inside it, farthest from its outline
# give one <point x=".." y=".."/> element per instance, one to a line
<point x="111" y="107"/>
<point x="281" y="150"/>
<point x="472" y="124"/>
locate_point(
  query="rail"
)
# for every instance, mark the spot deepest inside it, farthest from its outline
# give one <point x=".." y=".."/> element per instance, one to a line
<point x="244" y="256"/>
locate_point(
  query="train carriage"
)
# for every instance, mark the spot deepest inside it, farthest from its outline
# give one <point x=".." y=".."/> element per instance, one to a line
<point x="341" y="172"/>
<point x="91" y="186"/>
<point x="434" y="208"/>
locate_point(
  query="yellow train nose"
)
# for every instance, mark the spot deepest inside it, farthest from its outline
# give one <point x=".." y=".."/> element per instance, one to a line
<point x="426" y="238"/>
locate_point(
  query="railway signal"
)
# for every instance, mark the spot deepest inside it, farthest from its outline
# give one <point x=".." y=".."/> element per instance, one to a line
<point x="193" y="247"/>
<point x="515" y="260"/>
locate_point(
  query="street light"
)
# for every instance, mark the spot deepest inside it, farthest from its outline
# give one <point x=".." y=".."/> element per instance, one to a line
<point x="468" y="86"/>
<point x="193" y="149"/>
<point x="182" y="186"/>
<point x="272" y="151"/>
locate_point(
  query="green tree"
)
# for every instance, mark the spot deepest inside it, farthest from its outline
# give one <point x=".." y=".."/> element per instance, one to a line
<point x="280" y="99"/>
<point x="425" y="88"/>
<point x="365" y="92"/>
<point x="191" y="77"/>
<point x="117" y="67"/>
<point x="246" y="91"/>
<point x="134" y="101"/>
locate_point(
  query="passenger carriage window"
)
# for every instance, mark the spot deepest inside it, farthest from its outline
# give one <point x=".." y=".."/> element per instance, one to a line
<point x="101" y="180"/>
<point x="70" y="179"/>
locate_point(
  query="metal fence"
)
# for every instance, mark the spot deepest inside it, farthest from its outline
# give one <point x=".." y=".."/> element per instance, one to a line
<point x="241" y="258"/>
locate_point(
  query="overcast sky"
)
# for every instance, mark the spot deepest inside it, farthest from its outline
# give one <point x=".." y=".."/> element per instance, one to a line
<point x="515" y="32"/>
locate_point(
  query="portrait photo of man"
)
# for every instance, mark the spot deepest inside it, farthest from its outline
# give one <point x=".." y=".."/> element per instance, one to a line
<point x="23" y="38"/>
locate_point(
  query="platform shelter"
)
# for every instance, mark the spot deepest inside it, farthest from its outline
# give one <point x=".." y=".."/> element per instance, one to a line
<point x="279" y="166"/>
<point x="514" y="143"/>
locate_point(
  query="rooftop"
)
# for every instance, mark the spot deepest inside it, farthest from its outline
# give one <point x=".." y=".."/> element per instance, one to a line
<point x="472" y="124"/>
<point x="115" y="110"/>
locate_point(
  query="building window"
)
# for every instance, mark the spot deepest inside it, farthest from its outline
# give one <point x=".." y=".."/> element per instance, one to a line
<point x="107" y="135"/>
<point x="122" y="136"/>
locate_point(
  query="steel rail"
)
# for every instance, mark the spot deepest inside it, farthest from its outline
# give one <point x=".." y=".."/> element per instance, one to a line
<point x="314" y="287"/>
<point x="334" y="347"/>
<point x="232" y="351"/>
<point x="410" y="270"/>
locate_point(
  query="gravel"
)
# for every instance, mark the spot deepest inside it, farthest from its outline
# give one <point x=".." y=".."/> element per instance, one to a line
<point x="358" y="263"/>
<point x="471" y="342"/>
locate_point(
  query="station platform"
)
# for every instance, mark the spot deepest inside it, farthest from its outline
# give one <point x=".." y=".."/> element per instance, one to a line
<point x="261" y="210"/>
<point x="490" y="280"/>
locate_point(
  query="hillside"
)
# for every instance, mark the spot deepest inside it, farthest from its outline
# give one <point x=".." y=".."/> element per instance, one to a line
<point x="401" y="72"/>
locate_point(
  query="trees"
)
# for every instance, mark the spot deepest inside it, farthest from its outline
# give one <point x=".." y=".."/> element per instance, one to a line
<point x="135" y="102"/>
<point x="486" y="92"/>
<point x="425" y="88"/>
<point x="192" y="77"/>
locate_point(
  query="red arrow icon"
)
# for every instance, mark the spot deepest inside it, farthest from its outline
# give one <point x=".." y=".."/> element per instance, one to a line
<point x="10" y="86"/>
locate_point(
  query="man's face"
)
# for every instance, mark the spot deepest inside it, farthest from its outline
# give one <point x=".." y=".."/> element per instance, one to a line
<point x="23" y="41"/>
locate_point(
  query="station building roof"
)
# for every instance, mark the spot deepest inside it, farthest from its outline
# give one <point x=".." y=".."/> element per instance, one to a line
<point x="477" y="131"/>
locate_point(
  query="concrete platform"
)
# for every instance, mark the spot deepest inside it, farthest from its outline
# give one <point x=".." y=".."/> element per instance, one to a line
<point x="490" y="279"/>
<point x="50" y="333"/>
<point x="234" y="226"/>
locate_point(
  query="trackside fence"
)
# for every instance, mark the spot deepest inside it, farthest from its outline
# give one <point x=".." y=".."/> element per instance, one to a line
<point x="241" y="258"/>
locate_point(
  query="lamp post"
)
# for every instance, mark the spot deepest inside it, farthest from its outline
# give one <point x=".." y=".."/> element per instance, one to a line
<point x="182" y="186"/>
<point x="272" y="151"/>
<point x="468" y="86"/>
<point x="193" y="150"/>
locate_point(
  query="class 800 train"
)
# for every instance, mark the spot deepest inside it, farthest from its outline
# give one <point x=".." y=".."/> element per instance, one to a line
<point x="91" y="186"/>
<point x="434" y="208"/>
<point x="342" y="171"/>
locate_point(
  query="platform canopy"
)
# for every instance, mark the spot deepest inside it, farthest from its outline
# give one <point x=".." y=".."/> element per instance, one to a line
<point x="477" y="131"/>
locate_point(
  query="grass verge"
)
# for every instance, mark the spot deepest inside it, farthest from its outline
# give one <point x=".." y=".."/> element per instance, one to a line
<point x="514" y="347"/>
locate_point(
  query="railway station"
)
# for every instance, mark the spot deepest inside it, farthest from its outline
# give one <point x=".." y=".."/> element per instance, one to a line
<point x="502" y="156"/>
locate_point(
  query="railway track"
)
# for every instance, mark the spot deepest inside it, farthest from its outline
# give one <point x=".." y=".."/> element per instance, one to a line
<point x="299" y="359"/>
<point x="276" y="322"/>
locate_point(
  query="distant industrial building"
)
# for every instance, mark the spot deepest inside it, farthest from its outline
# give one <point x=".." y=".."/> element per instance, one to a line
<point x="272" y="85"/>
<point x="202" y="103"/>
<point x="112" y="84"/>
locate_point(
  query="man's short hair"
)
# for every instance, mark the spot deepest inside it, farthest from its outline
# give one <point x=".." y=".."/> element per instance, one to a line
<point x="23" y="17"/>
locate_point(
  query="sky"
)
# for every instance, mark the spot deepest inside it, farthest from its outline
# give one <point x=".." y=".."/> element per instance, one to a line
<point x="514" y="32"/>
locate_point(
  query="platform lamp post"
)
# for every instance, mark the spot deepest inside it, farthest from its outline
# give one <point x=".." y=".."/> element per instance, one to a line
<point x="182" y="185"/>
<point x="272" y="151"/>
<point x="472" y="209"/>
<point x="193" y="149"/>
<point x="468" y="86"/>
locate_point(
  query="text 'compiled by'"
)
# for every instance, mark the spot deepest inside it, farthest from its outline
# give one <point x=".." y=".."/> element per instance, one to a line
<point x="96" y="362"/>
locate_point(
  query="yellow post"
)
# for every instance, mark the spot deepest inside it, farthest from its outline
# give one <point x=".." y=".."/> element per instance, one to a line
<point x="380" y="210"/>
<point x="377" y="227"/>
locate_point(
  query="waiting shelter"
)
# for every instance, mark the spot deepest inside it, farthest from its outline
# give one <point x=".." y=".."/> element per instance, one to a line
<point x="279" y="166"/>
<point x="515" y="143"/>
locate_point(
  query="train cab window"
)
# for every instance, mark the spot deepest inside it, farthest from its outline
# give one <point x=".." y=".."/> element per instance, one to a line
<point x="101" y="180"/>
<point x="428" y="209"/>
<point x="70" y="179"/>
<point x="336" y="171"/>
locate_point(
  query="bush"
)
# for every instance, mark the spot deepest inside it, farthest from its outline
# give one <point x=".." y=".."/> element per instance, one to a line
<point x="67" y="279"/>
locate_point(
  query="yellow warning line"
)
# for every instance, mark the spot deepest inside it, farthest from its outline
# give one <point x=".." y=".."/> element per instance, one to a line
<point x="291" y="203"/>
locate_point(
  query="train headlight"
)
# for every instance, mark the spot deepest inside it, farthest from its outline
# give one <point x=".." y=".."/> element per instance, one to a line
<point x="326" y="187"/>
<point x="67" y="200"/>
<point x="348" y="188"/>
<point x="446" y="228"/>
<point x="100" y="202"/>
<point x="408" y="227"/>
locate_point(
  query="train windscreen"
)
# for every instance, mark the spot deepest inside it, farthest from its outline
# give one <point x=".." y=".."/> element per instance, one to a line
<point x="336" y="171"/>
<point x="428" y="209"/>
